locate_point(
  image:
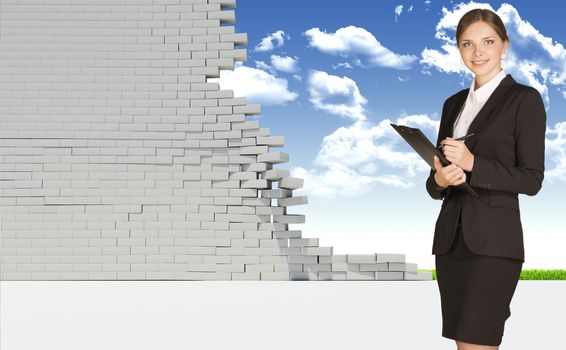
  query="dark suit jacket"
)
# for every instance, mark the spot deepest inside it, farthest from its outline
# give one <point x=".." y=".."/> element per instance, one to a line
<point x="508" y="149"/>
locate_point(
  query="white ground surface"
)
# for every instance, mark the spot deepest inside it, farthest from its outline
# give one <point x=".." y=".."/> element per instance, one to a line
<point x="257" y="315"/>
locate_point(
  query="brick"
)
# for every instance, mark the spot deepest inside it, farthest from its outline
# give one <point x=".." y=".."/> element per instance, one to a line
<point x="281" y="275"/>
<point x="360" y="276"/>
<point x="419" y="276"/>
<point x="226" y="16"/>
<point x="398" y="258"/>
<point x="270" y="211"/>
<point x="257" y="183"/>
<point x="275" y="174"/>
<point x="253" y="150"/>
<point x="287" y="234"/>
<point x="275" y="193"/>
<point x="331" y="276"/>
<point x="406" y="267"/>
<point x="290" y="218"/>
<point x="286" y="202"/>
<point x="238" y="38"/>
<point x="362" y="258"/>
<point x="389" y="275"/>
<point x="374" y="267"/>
<point x="277" y="157"/>
<point x="246" y="276"/>
<point x="291" y="183"/>
<point x="274" y="141"/>
<point x="224" y="3"/>
<point x="252" y="109"/>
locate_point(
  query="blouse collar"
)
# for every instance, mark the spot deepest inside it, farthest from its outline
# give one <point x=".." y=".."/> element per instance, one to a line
<point x="483" y="92"/>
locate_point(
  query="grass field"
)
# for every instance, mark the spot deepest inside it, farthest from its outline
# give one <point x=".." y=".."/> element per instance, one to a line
<point x="549" y="275"/>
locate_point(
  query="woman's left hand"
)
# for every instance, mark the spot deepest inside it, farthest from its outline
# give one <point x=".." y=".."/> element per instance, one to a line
<point x="457" y="153"/>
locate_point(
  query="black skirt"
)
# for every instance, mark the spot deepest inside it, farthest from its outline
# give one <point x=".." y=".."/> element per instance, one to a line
<point x="475" y="293"/>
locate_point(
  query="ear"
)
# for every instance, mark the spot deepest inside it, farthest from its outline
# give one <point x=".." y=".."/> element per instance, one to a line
<point x="505" y="47"/>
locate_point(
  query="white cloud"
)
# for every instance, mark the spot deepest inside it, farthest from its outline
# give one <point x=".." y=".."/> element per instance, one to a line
<point x="323" y="86"/>
<point x="351" y="41"/>
<point x="394" y="181"/>
<point x="264" y="66"/>
<point x="336" y="180"/>
<point x="398" y="11"/>
<point x="279" y="63"/>
<point x="419" y="120"/>
<point x="447" y="62"/>
<point x="555" y="144"/>
<point x="532" y="57"/>
<point x="410" y="8"/>
<point x="284" y="64"/>
<point x="343" y="64"/>
<point x="355" y="158"/>
<point x="258" y="86"/>
<point x="276" y="39"/>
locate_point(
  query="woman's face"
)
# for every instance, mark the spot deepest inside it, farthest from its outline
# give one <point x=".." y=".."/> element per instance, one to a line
<point x="481" y="49"/>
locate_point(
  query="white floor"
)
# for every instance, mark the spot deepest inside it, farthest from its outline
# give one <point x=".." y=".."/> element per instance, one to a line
<point x="257" y="315"/>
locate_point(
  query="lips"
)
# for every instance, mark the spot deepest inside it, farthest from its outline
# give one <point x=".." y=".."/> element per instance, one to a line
<point x="479" y="62"/>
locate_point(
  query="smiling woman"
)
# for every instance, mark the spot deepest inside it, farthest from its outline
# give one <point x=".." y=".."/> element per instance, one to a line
<point x="479" y="244"/>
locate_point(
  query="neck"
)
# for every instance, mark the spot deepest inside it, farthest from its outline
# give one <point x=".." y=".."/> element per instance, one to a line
<point x="481" y="80"/>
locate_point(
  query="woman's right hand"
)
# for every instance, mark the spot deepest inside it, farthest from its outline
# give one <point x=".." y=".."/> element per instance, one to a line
<point x="450" y="175"/>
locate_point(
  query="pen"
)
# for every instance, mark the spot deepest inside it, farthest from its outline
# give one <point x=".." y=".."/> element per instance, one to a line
<point x="459" y="139"/>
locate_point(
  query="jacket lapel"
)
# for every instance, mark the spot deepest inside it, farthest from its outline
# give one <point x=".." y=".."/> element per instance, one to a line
<point x="452" y="114"/>
<point x="491" y="102"/>
<point x="484" y="112"/>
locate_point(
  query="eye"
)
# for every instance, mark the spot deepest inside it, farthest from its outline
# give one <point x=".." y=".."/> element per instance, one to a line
<point x="465" y="44"/>
<point x="490" y="41"/>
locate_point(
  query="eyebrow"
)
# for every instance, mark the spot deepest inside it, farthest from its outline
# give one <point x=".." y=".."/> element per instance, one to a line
<point x="486" y="37"/>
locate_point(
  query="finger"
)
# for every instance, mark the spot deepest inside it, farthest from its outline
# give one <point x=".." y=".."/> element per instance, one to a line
<point x="462" y="179"/>
<point x="442" y="166"/>
<point x="437" y="164"/>
<point x="452" y="156"/>
<point x="453" y="143"/>
<point x="456" y="174"/>
<point x="457" y="171"/>
<point x="449" y="168"/>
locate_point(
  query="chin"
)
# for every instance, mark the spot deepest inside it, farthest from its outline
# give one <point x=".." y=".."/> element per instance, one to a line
<point x="482" y="70"/>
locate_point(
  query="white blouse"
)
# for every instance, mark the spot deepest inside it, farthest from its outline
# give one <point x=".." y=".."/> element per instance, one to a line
<point x="473" y="104"/>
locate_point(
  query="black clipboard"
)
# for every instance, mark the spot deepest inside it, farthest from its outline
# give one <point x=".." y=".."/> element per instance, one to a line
<point x="422" y="145"/>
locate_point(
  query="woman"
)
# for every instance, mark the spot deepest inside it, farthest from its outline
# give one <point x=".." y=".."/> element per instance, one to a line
<point x="478" y="240"/>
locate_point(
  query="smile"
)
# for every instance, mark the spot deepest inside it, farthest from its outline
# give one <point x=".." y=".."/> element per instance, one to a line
<point x="479" y="63"/>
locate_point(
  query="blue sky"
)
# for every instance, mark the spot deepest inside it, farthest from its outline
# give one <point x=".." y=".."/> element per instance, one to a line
<point x="331" y="75"/>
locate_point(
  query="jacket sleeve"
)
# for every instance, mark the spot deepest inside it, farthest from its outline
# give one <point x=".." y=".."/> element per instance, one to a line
<point x="432" y="187"/>
<point x="527" y="174"/>
<point x="434" y="190"/>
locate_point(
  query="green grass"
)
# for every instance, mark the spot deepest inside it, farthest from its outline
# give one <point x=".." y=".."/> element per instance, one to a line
<point x="548" y="275"/>
<point x="543" y="275"/>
